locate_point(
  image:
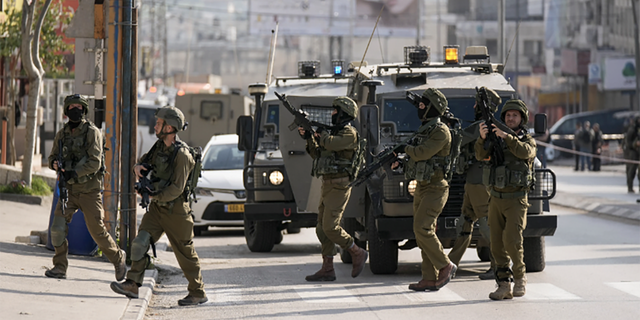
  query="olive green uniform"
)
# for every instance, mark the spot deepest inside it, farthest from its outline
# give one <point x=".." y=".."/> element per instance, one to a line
<point x="82" y="152"/>
<point x="475" y="203"/>
<point x="432" y="191"/>
<point x="333" y="154"/>
<point x="509" y="186"/>
<point x="632" y="152"/>
<point x="170" y="213"/>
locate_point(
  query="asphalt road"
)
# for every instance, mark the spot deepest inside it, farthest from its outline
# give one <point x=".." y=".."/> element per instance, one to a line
<point x="592" y="273"/>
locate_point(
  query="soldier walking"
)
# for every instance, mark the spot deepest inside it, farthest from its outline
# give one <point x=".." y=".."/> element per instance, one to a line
<point x="334" y="160"/>
<point x="169" y="211"/>
<point x="475" y="204"/>
<point x="509" y="184"/>
<point x="632" y="151"/>
<point x="83" y="170"/>
<point x="427" y="164"/>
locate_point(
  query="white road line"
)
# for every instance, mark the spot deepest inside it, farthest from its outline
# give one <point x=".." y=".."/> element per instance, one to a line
<point x="632" y="288"/>
<point x="224" y="295"/>
<point x="325" y="294"/>
<point x="547" y="291"/>
<point x="443" y="295"/>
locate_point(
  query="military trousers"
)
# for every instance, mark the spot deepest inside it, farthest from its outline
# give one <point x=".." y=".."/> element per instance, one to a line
<point x="91" y="205"/>
<point x="475" y="207"/>
<point x="175" y="220"/>
<point x="428" y="201"/>
<point x="632" y="168"/>
<point x="335" y="195"/>
<point x="507" y="220"/>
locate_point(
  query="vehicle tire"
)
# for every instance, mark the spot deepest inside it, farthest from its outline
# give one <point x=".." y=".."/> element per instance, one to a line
<point x="484" y="253"/>
<point x="351" y="225"/>
<point x="279" y="238"/>
<point x="293" y="230"/>
<point x="383" y="254"/>
<point x="534" y="254"/>
<point x="197" y="230"/>
<point x="261" y="236"/>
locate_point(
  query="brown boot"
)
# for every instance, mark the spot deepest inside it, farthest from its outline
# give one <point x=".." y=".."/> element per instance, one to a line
<point x="56" y="272"/>
<point x="445" y="274"/>
<point x="326" y="273"/>
<point x="358" y="258"/>
<point x="190" y="300"/>
<point x="503" y="291"/>
<point x="424" y="285"/>
<point x="519" y="287"/>
<point x="121" y="268"/>
<point x="127" y="288"/>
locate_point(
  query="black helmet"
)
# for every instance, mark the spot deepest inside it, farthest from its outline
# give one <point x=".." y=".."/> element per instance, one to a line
<point x="76" y="99"/>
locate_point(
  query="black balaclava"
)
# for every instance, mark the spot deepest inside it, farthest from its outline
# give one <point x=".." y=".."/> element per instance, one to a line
<point x="336" y="117"/>
<point x="421" y="112"/>
<point x="75" y="116"/>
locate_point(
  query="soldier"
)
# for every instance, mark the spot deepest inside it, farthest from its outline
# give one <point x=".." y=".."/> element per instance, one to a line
<point x="333" y="159"/>
<point x="475" y="204"/>
<point x="169" y="211"/>
<point x="428" y="156"/>
<point x="509" y="184"/>
<point x="83" y="170"/>
<point x="632" y="151"/>
<point x="597" y="146"/>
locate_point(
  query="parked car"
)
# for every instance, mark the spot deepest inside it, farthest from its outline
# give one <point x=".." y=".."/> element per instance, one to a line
<point x="220" y="193"/>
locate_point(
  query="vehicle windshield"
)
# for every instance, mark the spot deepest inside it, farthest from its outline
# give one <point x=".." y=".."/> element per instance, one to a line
<point x="223" y="157"/>
<point x="403" y="113"/>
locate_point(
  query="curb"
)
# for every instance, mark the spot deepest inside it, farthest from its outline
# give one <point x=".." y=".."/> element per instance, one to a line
<point x="136" y="308"/>
<point x="23" y="198"/>
<point x="598" y="206"/>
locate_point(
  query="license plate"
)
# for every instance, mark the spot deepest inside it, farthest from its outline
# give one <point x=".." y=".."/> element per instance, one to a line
<point x="234" y="208"/>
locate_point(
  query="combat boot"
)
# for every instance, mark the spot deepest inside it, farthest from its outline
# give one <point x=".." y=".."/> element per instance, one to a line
<point x="358" y="257"/>
<point x="127" y="288"/>
<point x="56" y="272"/>
<point x="326" y="273"/>
<point x="503" y="291"/>
<point x="488" y="275"/>
<point x="121" y="268"/>
<point x="424" y="285"/>
<point x="519" y="287"/>
<point x="445" y="274"/>
<point x="190" y="300"/>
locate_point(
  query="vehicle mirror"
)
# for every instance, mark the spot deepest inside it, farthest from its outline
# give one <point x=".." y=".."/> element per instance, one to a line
<point x="370" y="124"/>
<point x="244" y="130"/>
<point x="540" y="123"/>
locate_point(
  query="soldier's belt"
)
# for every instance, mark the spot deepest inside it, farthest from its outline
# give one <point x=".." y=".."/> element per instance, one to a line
<point x="165" y="204"/>
<point x="336" y="180"/>
<point x="508" y="195"/>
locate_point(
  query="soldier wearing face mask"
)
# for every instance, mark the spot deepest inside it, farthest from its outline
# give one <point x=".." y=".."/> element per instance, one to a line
<point x="84" y="168"/>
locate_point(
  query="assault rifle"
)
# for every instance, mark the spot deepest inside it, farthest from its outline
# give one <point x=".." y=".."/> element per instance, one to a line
<point x="62" y="183"/>
<point x="300" y="117"/>
<point x="492" y="143"/>
<point x="144" y="187"/>
<point x="385" y="157"/>
<point x="414" y="98"/>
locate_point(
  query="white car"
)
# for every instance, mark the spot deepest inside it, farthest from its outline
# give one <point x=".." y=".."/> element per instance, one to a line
<point x="220" y="193"/>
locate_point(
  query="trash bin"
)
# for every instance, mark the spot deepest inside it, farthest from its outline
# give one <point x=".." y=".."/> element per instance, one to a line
<point x="79" y="238"/>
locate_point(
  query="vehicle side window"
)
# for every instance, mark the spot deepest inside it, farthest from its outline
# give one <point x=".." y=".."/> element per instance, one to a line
<point x="211" y="110"/>
<point x="223" y="157"/>
<point x="273" y="115"/>
<point x="568" y="127"/>
<point x="146" y="117"/>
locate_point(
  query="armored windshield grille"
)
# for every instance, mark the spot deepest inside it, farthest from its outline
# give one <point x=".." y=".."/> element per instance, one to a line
<point x="395" y="187"/>
<point x="318" y="114"/>
<point x="453" y="206"/>
<point x="544" y="187"/>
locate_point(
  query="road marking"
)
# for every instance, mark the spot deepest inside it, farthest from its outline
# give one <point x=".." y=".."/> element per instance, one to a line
<point x="443" y="295"/>
<point x="547" y="291"/>
<point x="325" y="294"/>
<point x="224" y="295"/>
<point x="632" y="288"/>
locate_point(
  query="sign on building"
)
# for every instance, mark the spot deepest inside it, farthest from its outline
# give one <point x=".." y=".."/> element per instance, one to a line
<point x="620" y="74"/>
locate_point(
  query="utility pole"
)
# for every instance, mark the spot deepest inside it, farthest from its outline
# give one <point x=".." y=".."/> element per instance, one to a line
<point x="501" y="32"/>
<point x="152" y="54"/>
<point x="515" y="78"/>
<point x="439" y="31"/>
<point x="165" y="65"/>
<point x="636" y="36"/>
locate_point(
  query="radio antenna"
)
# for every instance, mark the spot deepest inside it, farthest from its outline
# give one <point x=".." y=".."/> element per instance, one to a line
<point x="367" y="49"/>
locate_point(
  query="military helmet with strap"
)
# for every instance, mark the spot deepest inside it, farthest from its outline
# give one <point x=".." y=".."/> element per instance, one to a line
<point x="172" y="116"/>
<point x="347" y="105"/>
<point x="515" y="104"/>
<point x="76" y="99"/>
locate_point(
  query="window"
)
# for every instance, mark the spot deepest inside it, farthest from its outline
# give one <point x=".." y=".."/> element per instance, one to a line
<point x="402" y="113"/>
<point x="273" y="115"/>
<point x="211" y="110"/>
<point x="223" y="157"/>
<point x="146" y="116"/>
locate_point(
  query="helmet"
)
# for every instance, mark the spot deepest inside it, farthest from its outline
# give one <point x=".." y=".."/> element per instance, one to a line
<point x="347" y="105"/>
<point x="172" y="116"/>
<point x="493" y="97"/>
<point x="436" y="99"/>
<point x="515" y="104"/>
<point x="75" y="99"/>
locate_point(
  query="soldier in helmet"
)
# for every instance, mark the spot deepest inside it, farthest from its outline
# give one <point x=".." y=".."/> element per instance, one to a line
<point x="632" y="151"/>
<point x="509" y="184"/>
<point x="427" y="164"/>
<point x="170" y="163"/>
<point x="83" y="170"/>
<point x="334" y="154"/>
<point x="475" y="204"/>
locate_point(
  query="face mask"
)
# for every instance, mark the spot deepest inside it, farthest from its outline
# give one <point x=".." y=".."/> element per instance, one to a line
<point x="422" y="112"/>
<point x="75" y="115"/>
<point x="334" y="118"/>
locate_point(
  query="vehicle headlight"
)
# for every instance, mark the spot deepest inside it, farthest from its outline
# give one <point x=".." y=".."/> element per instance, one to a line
<point x="276" y="177"/>
<point x="412" y="187"/>
<point x="203" y="192"/>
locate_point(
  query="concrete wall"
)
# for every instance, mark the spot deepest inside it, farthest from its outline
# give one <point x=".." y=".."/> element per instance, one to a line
<point x="11" y="173"/>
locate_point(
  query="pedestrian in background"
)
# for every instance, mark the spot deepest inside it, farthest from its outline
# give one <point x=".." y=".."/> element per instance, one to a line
<point x="597" y="143"/>
<point x="631" y="147"/>
<point x="542" y="149"/>
<point x="576" y="134"/>
<point x="585" y="140"/>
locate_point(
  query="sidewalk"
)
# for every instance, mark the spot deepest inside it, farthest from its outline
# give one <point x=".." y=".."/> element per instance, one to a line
<point x="24" y="289"/>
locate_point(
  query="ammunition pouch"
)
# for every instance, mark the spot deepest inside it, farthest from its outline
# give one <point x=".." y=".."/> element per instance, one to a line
<point x="502" y="177"/>
<point x="424" y="170"/>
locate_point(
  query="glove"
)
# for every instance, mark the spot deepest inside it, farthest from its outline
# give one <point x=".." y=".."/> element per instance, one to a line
<point x="69" y="174"/>
<point x="306" y="135"/>
<point x="320" y="130"/>
<point x="400" y="149"/>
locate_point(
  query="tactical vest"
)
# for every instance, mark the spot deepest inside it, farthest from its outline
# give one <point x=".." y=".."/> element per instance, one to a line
<point x="74" y="153"/>
<point x="468" y="165"/>
<point x="514" y="172"/>
<point x="343" y="161"/>
<point x="423" y="170"/>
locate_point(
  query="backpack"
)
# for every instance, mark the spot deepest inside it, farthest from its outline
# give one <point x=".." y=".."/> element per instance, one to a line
<point x="456" y="140"/>
<point x="192" y="181"/>
<point x="359" y="157"/>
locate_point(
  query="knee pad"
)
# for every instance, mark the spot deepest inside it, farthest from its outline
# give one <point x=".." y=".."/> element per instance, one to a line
<point x="58" y="231"/>
<point x="140" y="246"/>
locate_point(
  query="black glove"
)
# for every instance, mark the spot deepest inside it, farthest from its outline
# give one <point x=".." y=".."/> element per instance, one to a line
<point x="306" y="135"/>
<point x="400" y="149"/>
<point x="69" y="174"/>
<point x="320" y="129"/>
